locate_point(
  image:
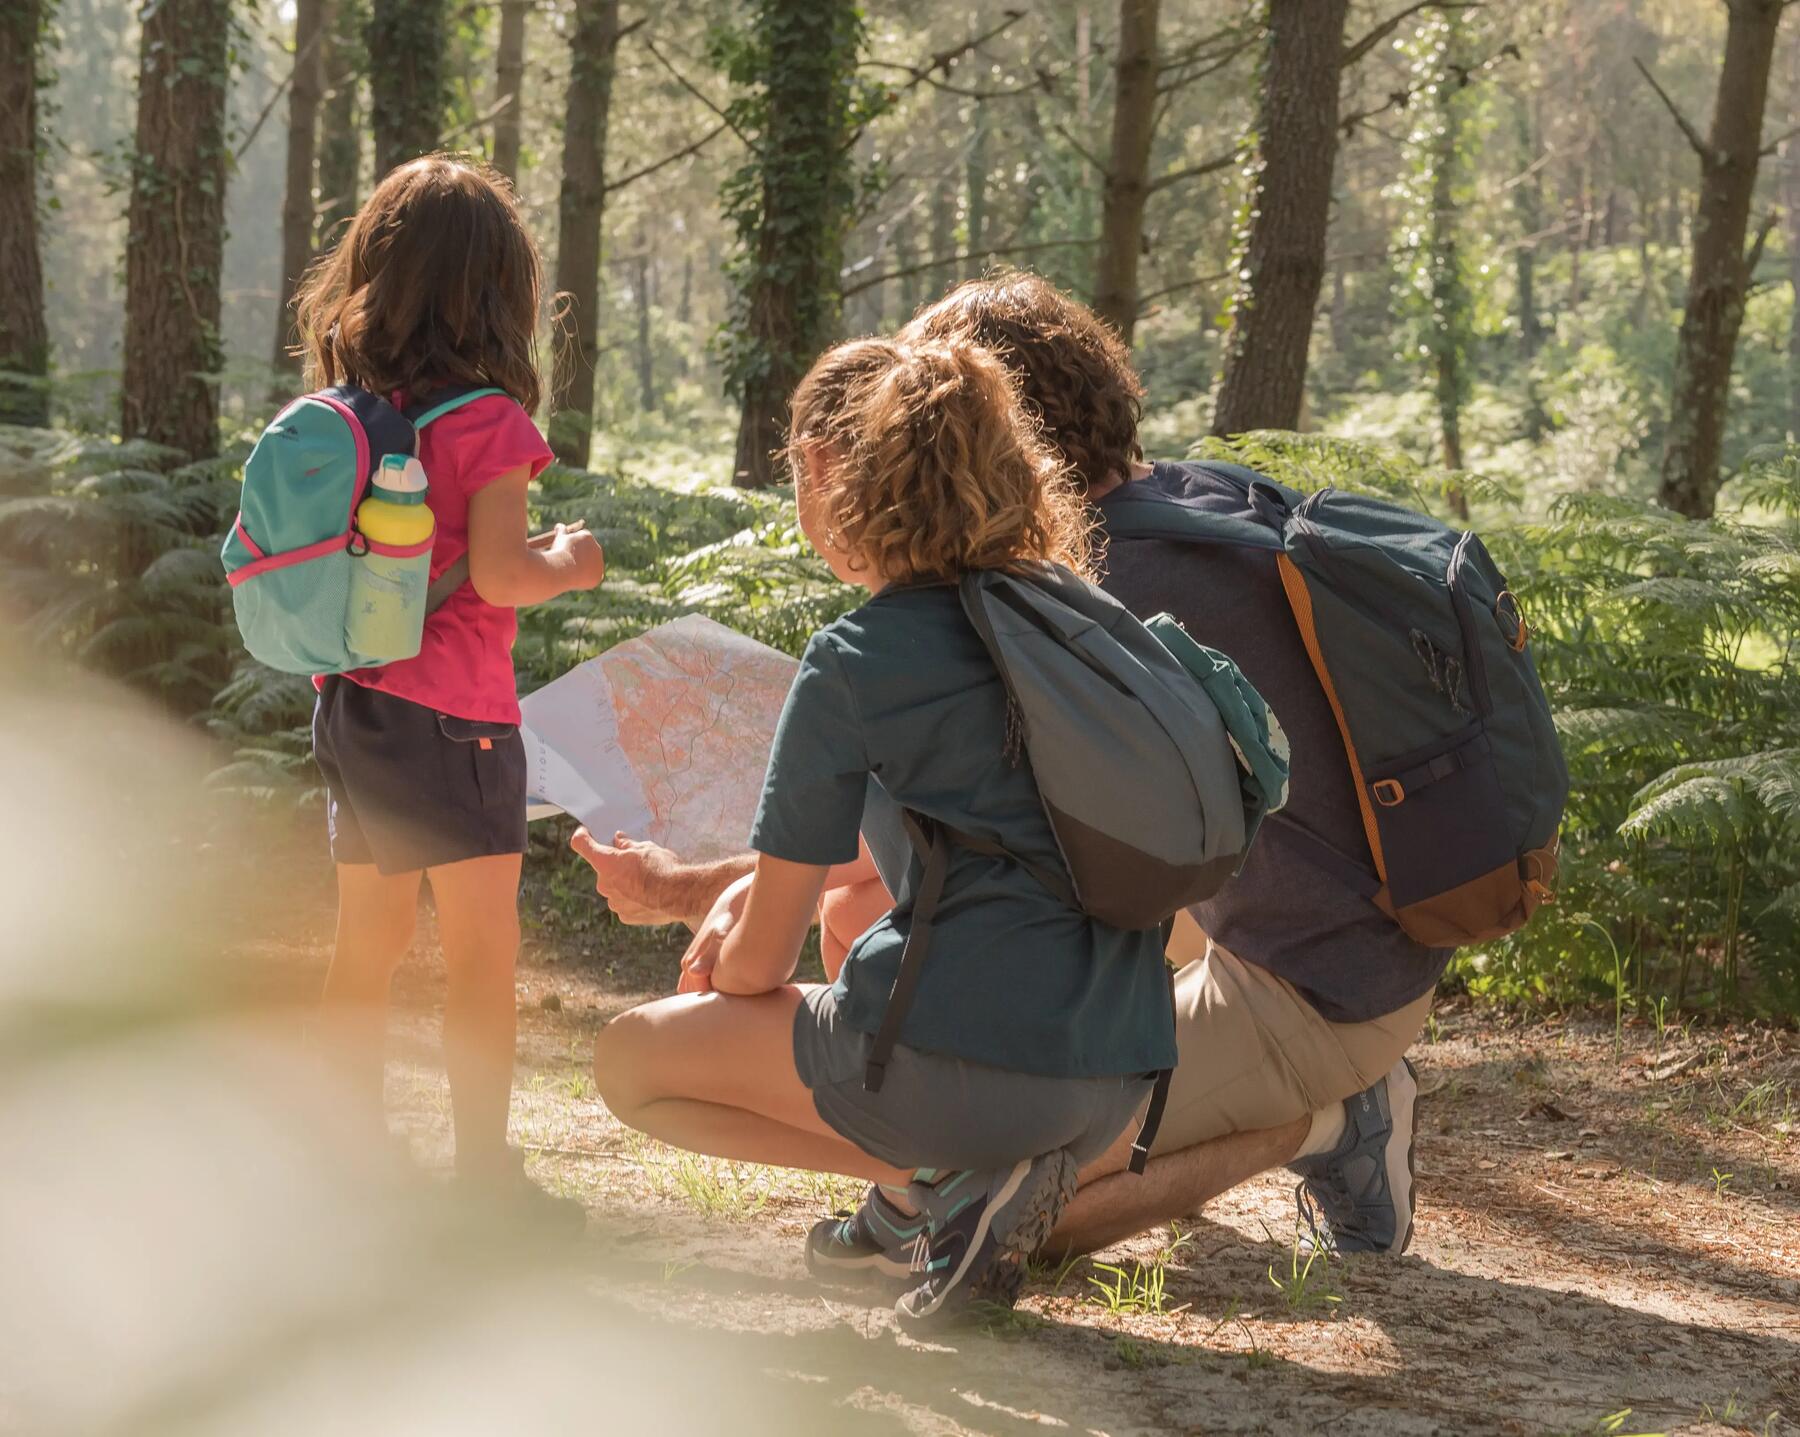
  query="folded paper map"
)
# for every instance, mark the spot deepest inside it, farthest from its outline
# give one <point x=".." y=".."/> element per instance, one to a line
<point x="665" y="736"/>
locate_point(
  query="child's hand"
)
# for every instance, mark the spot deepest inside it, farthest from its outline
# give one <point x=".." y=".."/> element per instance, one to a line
<point x="580" y="553"/>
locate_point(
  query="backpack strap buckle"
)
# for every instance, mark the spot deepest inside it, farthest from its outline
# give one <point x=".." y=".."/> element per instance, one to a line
<point x="1389" y="792"/>
<point x="1511" y="618"/>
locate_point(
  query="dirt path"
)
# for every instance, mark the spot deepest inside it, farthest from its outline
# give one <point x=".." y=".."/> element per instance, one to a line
<point x="1597" y="1232"/>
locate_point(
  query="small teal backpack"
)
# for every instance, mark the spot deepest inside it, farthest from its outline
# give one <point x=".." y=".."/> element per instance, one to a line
<point x="291" y="556"/>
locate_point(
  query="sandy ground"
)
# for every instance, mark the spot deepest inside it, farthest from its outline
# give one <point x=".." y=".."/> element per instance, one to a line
<point x="1598" y="1231"/>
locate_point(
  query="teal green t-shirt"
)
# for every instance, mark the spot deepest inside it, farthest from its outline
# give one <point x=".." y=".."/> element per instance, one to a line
<point x="903" y="690"/>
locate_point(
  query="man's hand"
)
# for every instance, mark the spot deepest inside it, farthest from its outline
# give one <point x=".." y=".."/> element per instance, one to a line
<point x="639" y="881"/>
<point x="709" y="938"/>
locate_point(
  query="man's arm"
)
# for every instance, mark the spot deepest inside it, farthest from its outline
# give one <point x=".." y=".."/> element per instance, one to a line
<point x="645" y="884"/>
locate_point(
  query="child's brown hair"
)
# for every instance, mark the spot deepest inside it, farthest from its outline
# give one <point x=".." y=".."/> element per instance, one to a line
<point x="1073" y="371"/>
<point x="932" y="466"/>
<point x="436" y="282"/>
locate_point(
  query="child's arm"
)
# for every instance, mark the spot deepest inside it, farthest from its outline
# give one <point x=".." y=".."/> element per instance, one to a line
<point x="505" y="568"/>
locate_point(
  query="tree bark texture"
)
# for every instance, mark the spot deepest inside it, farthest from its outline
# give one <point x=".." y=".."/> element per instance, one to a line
<point x="304" y="93"/>
<point x="340" y="126"/>
<point x="1791" y="205"/>
<point x="581" y="207"/>
<point x="509" y="77"/>
<point x="1718" y="276"/>
<point x="24" y="336"/>
<point x="1264" y="381"/>
<point x="646" y="356"/>
<point x="793" y="297"/>
<point x="1127" y="186"/>
<point x="406" y="80"/>
<point x="175" y="234"/>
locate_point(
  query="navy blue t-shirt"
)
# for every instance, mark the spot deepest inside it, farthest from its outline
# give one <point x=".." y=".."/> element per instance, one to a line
<point x="1282" y="912"/>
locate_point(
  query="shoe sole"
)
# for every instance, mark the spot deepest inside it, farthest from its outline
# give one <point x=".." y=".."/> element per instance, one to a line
<point x="1401" y="1175"/>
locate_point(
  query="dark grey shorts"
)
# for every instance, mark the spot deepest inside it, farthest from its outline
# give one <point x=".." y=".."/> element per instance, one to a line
<point x="408" y="787"/>
<point x="935" y="1111"/>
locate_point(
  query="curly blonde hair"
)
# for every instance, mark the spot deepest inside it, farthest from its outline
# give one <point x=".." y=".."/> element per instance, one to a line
<point x="932" y="466"/>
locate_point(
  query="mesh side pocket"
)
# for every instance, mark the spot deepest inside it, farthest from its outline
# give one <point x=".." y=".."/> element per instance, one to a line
<point x="292" y="618"/>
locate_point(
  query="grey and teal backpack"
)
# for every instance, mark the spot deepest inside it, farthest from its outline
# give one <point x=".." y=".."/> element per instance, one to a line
<point x="1425" y="659"/>
<point x="1154" y="758"/>
<point x="291" y="555"/>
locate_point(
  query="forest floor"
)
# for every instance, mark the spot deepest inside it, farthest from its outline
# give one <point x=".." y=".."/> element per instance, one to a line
<point x="1600" y="1228"/>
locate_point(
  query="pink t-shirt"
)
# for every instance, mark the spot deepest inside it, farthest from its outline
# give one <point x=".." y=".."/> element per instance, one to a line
<point x="464" y="667"/>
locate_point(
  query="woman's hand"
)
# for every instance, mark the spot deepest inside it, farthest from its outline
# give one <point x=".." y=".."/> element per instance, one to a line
<point x="709" y="938"/>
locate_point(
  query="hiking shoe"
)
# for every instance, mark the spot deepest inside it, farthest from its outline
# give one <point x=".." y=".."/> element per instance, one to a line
<point x="505" y="1191"/>
<point x="874" y="1242"/>
<point x="1359" y="1196"/>
<point x="983" y="1227"/>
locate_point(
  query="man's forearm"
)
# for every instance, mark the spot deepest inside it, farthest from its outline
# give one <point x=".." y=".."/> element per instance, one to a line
<point x="691" y="889"/>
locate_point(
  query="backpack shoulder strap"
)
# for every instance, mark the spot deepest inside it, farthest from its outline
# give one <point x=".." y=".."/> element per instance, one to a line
<point x="446" y="401"/>
<point x="934" y="848"/>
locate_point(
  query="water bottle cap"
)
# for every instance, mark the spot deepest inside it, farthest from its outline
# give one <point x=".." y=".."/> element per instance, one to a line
<point x="401" y="479"/>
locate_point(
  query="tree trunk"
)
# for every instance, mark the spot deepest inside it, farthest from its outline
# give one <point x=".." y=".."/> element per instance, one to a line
<point x="509" y="76"/>
<point x="1791" y="204"/>
<point x="975" y="179"/>
<point x="406" y="89"/>
<point x="581" y="206"/>
<point x="175" y="238"/>
<point x="1528" y="205"/>
<point x="646" y="359"/>
<point x="1127" y="187"/>
<point x="310" y="20"/>
<point x="791" y="301"/>
<point x="1264" y="382"/>
<point x="943" y="236"/>
<point x="1719" y="274"/>
<point x="24" y="336"/>
<point x="340" y="133"/>
<point x="906" y="255"/>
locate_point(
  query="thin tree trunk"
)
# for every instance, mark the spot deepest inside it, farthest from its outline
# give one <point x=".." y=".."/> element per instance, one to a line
<point x="593" y="47"/>
<point x="340" y="132"/>
<point x="175" y="236"/>
<point x="1264" y="382"/>
<point x="407" y="88"/>
<point x="1528" y="205"/>
<point x="310" y="20"/>
<point x="975" y="179"/>
<point x="792" y="303"/>
<point x="1719" y="274"/>
<point x="943" y="232"/>
<point x="509" y="76"/>
<point x="24" y="335"/>
<point x="1791" y="204"/>
<point x="905" y="257"/>
<point x="646" y="359"/>
<point x="1127" y="187"/>
<point x="1084" y="63"/>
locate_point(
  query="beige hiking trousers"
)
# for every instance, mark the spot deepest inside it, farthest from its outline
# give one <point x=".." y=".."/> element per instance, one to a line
<point x="1255" y="1054"/>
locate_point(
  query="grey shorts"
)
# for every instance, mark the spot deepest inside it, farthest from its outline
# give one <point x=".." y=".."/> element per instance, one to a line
<point x="935" y="1111"/>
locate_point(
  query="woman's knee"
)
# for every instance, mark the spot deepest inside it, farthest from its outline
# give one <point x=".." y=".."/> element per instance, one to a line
<point x="619" y="1064"/>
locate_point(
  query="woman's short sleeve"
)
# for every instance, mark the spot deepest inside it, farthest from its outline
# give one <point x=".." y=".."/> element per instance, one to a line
<point x="812" y="799"/>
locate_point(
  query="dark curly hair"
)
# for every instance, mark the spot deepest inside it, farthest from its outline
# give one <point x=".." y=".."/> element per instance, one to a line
<point x="1074" y="374"/>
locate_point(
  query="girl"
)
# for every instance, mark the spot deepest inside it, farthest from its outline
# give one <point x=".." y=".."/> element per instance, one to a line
<point x="1025" y="1050"/>
<point x="436" y="284"/>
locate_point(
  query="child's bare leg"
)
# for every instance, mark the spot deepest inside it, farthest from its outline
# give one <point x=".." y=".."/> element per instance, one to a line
<point x="376" y="916"/>
<point x="478" y="921"/>
<point x="714" y="1073"/>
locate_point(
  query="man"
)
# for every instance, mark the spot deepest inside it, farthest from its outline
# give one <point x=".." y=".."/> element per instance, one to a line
<point x="1297" y="997"/>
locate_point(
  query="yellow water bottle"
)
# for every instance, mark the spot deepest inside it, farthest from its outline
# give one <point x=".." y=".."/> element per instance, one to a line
<point x="389" y="581"/>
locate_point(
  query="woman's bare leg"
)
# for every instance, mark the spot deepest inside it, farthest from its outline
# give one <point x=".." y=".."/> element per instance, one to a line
<point x="714" y="1073"/>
